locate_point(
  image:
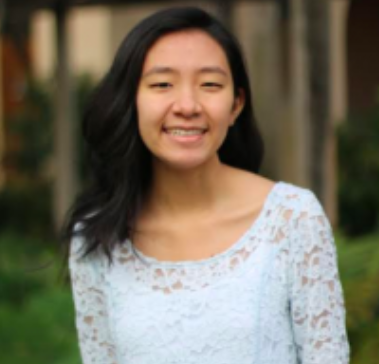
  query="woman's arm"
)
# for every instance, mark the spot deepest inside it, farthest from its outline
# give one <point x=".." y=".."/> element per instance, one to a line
<point x="316" y="297"/>
<point x="87" y="279"/>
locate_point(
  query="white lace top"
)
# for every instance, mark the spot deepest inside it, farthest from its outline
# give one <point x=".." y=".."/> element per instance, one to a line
<point x="273" y="297"/>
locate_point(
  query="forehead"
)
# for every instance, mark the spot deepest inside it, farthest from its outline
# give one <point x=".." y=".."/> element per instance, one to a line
<point x="186" y="48"/>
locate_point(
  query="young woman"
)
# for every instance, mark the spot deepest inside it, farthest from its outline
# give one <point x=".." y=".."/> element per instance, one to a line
<point x="180" y="251"/>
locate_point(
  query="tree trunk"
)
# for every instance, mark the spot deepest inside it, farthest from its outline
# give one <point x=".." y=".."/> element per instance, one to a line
<point x="321" y="131"/>
<point x="2" y="139"/>
<point x="300" y="93"/>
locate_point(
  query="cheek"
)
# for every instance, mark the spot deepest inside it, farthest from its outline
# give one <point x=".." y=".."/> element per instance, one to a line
<point x="222" y="112"/>
<point x="144" y="121"/>
<point x="150" y="109"/>
<point x="146" y="114"/>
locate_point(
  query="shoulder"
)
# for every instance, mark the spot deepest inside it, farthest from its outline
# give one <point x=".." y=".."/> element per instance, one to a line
<point x="297" y="213"/>
<point x="291" y="200"/>
<point x="304" y="218"/>
<point x="78" y="257"/>
<point x="298" y="199"/>
<point x="255" y="187"/>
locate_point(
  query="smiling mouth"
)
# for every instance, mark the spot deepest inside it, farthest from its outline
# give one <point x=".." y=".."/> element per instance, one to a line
<point x="185" y="132"/>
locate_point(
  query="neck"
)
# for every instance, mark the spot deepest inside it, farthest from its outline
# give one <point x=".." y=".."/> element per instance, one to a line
<point x="195" y="191"/>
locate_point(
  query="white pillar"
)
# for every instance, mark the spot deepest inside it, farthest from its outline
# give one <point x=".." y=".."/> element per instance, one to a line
<point x="339" y="10"/>
<point x="64" y="128"/>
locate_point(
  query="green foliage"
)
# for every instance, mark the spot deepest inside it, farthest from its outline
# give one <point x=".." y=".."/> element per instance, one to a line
<point x="359" y="270"/>
<point x="36" y="310"/>
<point x="31" y="128"/>
<point x="26" y="208"/>
<point x="20" y="263"/>
<point x="26" y="202"/>
<point x="358" y="153"/>
<point x="42" y="332"/>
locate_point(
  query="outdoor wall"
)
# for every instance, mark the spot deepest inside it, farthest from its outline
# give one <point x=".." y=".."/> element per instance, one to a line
<point x="89" y="46"/>
<point x="124" y="18"/>
<point x="43" y="35"/>
<point x="95" y="34"/>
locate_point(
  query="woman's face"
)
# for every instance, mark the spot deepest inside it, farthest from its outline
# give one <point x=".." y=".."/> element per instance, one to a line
<point x="185" y="99"/>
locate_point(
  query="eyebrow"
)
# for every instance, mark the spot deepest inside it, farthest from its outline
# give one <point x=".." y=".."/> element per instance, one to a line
<point x="165" y="70"/>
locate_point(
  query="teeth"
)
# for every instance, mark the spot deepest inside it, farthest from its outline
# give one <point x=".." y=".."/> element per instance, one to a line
<point x="185" y="132"/>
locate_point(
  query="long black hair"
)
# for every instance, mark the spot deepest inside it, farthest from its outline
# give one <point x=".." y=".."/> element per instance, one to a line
<point x="105" y="213"/>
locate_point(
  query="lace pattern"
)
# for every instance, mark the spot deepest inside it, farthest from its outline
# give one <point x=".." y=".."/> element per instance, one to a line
<point x="87" y="277"/>
<point x="272" y="297"/>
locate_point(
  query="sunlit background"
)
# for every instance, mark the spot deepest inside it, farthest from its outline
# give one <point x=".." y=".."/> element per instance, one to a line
<point x="314" y="68"/>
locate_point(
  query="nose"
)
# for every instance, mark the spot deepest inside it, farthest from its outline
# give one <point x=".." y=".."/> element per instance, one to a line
<point x="186" y="103"/>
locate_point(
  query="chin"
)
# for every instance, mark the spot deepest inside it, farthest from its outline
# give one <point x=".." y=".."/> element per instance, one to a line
<point x="185" y="164"/>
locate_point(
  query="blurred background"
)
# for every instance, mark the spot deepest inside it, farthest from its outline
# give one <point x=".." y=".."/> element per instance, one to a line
<point x="314" y="68"/>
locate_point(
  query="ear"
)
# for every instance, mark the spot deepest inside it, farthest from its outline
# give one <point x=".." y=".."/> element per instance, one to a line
<point x="238" y="105"/>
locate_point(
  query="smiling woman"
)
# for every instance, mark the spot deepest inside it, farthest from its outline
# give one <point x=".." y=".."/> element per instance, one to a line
<point x="180" y="252"/>
<point x="188" y="85"/>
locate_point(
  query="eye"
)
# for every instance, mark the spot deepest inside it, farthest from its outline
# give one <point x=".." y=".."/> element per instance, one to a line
<point x="161" y="85"/>
<point x="212" y="85"/>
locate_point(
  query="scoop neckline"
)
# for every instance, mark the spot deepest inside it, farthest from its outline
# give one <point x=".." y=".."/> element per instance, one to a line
<point x="236" y="245"/>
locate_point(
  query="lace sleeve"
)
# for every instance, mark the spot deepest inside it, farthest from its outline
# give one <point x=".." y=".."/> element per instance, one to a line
<point x="316" y="297"/>
<point x="87" y="279"/>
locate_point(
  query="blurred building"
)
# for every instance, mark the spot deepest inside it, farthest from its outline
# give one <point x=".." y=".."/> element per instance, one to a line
<point x="273" y="34"/>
